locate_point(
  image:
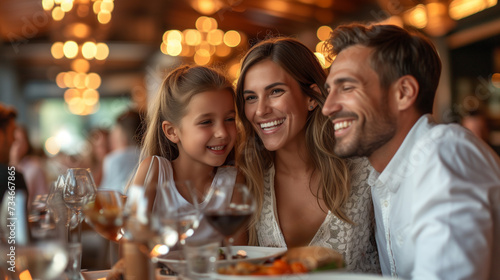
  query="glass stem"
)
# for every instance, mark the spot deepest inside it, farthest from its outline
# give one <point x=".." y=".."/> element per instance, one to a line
<point x="229" y="250"/>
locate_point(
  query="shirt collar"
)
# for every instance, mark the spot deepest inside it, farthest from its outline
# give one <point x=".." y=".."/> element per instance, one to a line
<point x="396" y="171"/>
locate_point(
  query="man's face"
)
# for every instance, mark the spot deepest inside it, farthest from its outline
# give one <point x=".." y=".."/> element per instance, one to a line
<point x="6" y="140"/>
<point x="359" y="109"/>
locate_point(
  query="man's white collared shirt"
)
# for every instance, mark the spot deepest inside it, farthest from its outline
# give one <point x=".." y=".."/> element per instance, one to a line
<point x="437" y="206"/>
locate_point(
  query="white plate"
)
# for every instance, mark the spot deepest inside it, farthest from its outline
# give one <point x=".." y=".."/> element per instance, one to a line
<point x="255" y="255"/>
<point x="308" y="276"/>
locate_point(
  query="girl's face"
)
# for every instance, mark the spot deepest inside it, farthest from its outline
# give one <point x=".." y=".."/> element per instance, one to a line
<point x="206" y="134"/>
<point x="275" y="105"/>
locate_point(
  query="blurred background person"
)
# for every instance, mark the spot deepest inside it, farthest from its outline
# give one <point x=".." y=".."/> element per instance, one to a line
<point x="98" y="143"/>
<point x="120" y="165"/>
<point x="477" y="122"/>
<point x="26" y="160"/>
<point x="7" y="128"/>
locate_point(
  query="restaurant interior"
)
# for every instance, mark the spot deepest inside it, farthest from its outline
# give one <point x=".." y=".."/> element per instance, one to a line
<point x="72" y="66"/>
<point x="69" y="66"/>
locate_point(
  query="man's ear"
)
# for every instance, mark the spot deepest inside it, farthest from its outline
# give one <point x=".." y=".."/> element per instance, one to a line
<point x="170" y="130"/>
<point x="311" y="102"/>
<point x="407" y="89"/>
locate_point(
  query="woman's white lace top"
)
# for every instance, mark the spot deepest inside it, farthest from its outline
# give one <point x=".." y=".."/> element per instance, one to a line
<point x="355" y="241"/>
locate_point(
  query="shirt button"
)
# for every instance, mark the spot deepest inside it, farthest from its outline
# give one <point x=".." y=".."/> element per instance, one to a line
<point x="386" y="204"/>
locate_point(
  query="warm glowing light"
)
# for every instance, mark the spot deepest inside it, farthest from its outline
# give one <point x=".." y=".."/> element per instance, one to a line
<point x="418" y="16"/>
<point x="79" y="80"/>
<point x="77" y="107"/>
<point x="215" y="37"/>
<point x="90" y="97"/>
<point x="234" y="70"/>
<point x="192" y="37"/>
<point x="320" y="46"/>
<point x="71" y="94"/>
<point x="495" y="80"/>
<point x="93" y="81"/>
<point x="97" y="6"/>
<point x="232" y="38"/>
<point x="57" y="14"/>
<point x="324" y="62"/>
<point x="172" y="35"/>
<point x="60" y="80"/>
<point x="206" y="7"/>
<point x="104" y="17"/>
<point x="66" y="5"/>
<point x="202" y="57"/>
<point x="163" y="48"/>
<point x="102" y="51"/>
<point x="323" y="32"/>
<point x="222" y="50"/>
<point x="206" y="46"/>
<point x="57" y="50"/>
<point x="79" y="30"/>
<point x="174" y="48"/>
<point x="80" y="65"/>
<point x="70" y="49"/>
<point x="107" y="5"/>
<point x="69" y="79"/>
<point x="464" y="8"/>
<point x="205" y="24"/>
<point x="52" y="146"/>
<point x="47" y="4"/>
<point x="89" y="50"/>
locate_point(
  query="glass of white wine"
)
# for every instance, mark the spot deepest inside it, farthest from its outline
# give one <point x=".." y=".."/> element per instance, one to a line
<point x="105" y="214"/>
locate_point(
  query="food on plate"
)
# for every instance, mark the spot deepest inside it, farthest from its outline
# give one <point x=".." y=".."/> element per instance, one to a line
<point x="241" y="254"/>
<point x="294" y="261"/>
<point x="278" y="267"/>
<point x="314" y="257"/>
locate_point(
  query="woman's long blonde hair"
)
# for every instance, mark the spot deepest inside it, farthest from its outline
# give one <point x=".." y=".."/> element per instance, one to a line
<point x="170" y="103"/>
<point x="254" y="160"/>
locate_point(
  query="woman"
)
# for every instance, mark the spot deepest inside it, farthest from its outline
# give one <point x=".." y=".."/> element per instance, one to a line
<point x="306" y="195"/>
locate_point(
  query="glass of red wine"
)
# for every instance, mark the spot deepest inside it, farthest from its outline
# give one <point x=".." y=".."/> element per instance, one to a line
<point x="228" y="210"/>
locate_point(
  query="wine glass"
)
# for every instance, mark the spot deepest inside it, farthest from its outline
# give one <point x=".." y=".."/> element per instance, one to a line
<point x="188" y="214"/>
<point x="105" y="214"/>
<point x="56" y="205"/>
<point x="79" y="189"/>
<point x="39" y="251"/>
<point x="228" y="210"/>
<point x="150" y="223"/>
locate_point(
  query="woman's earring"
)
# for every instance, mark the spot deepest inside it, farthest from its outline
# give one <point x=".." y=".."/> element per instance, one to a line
<point x="311" y="107"/>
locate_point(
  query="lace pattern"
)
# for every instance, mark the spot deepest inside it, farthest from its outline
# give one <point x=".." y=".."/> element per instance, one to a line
<point x="355" y="241"/>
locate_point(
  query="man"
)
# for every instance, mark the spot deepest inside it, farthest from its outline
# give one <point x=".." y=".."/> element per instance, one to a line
<point x="10" y="178"/>
<point x="435" y="188"/>
<point x="120" y="165"/>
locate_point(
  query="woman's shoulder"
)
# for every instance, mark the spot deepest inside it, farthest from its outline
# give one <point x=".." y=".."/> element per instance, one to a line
<point x="359" y="168"/>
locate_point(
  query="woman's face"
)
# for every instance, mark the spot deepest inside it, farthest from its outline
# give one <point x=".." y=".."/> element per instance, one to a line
<point x="275" y="106"/>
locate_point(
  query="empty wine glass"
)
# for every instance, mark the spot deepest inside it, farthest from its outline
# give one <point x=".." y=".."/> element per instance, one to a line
<point x="188" y="204"/>
<point x="79" y="190"/>
<point x="149" y="224"/>
<point x="39" y="251"/>
<point x="105" y="214"/>
<point x="228" y="210"/>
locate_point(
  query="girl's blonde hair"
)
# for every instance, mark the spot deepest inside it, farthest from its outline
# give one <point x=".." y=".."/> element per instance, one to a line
<point x="170" y="103"/>
<point x="254" y="160"/>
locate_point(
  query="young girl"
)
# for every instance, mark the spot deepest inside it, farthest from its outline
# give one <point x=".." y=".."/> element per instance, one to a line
<point x="190" y="134"/>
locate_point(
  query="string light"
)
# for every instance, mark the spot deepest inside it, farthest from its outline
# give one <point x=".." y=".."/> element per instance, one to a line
<point x="201" y="43"/>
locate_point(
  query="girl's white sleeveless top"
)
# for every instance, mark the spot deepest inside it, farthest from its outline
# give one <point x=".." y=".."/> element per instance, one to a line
<point x="204" y="232"/>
